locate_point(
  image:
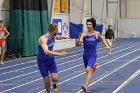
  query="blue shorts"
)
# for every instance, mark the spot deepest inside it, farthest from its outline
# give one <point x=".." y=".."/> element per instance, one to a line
<point x="89" y="60"/>
<point x="47" y="66"/>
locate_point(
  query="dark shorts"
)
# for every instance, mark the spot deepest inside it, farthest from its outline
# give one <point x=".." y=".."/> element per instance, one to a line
<point x="89" y="60"/>
<point x="47" y="66"/>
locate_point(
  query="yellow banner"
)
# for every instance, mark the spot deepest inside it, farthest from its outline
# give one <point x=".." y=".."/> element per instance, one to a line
<point x="56" y="8"/>
<point x="63" y="5"/>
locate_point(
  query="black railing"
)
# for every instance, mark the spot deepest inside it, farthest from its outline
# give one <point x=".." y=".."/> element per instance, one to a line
<point x="14" y="47"/>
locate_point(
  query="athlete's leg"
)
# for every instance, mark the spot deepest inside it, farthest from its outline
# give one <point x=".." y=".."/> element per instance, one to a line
<point x="88" y="76"/>
<point x="43" y="67"/>
<point x="54" y="80"/>
<point x="2" y="53"/>
<point x="110" y="45"/>
<point x="54" y="73"/>
<point x="47" y="84"/>
<point x="89" y="63"/>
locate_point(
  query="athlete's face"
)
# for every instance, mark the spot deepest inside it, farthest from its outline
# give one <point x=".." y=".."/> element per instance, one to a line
<point x="51" y="34"/>
<point x="89" y="26"/>
<point x="53" y="31"/>
<point x="110" y="27"/>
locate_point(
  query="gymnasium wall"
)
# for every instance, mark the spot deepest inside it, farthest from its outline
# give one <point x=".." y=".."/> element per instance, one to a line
<point x="129" y="22"/>
<point x="129" y="26"/>
<point x="133" y="8"/>
<point x="99" y="10"/>
<point x="76" y="11"/>
<point x="50" y="3"/>
<point x="113" y="13"/>
<point x="4" y="11"/>
<point x="81" y="11"/>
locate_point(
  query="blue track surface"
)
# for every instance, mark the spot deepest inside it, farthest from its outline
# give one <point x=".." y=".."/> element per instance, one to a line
<point x="22" y="75"/>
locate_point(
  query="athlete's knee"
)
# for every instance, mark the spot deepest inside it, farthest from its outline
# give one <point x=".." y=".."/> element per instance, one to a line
<point x="88" y="69"/>
<point x="55" y="77"/>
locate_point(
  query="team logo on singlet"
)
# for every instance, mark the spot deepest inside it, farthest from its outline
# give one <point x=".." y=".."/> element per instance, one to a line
<point x="90" y="39"/>
<point x="51" y="44"/>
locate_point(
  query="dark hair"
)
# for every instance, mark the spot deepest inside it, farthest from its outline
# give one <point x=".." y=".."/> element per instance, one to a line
<point x="52" y="27"/>
<point x="93" y="21"/>
<point x="109" y="26"/>
<point x="1" y="21"/>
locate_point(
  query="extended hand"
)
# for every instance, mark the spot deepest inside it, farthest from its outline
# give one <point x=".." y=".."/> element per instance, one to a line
<point x="62" y="53"/>
<point x="108" y="49"/>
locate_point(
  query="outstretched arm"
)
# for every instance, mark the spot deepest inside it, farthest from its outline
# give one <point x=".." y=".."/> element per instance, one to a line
<point x="7" y="33"/>
<point x="61" y="37"/>
<point x="80" y="38"/>
<point x="104" y="42"/>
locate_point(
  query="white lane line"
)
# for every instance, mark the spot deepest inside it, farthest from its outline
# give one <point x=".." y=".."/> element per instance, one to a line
<point x="64" y="62"/>
<point x="27" y="62"/>
<point x="97" y="67"/>
<point x="18" y="64"/>
<point x="36" y="65"/>
<point x="37" y="79"/>
<point x="60" y="82"/>
<point x="67" y="62"/>
<point x="98" y="52"/>
<point x="127" y="81"/>
<point x="18" y="76"/>
<point x="111" y="72"/>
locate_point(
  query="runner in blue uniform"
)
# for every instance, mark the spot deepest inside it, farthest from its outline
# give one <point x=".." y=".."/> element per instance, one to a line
<point x="45" y="57"/>
<point x="90" y="41"/>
